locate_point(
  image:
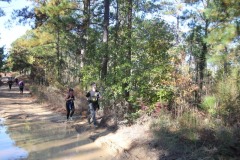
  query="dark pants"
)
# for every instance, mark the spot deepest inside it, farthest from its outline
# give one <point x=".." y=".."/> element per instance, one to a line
<point x="21" y="89"/>
<point x="92" y="113"/>
<point x="10" y="86"/>
<point x="70" y="109"/>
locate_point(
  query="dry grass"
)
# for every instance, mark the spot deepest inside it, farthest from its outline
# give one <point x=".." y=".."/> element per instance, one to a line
<point x="194" y="137"/>
<point x="55" y="98"/>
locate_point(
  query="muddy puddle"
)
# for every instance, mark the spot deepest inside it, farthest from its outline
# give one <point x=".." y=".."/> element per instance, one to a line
<point x="44" y="139"/>
<point x="8" y="147"/>
<point x="31" y="132"/>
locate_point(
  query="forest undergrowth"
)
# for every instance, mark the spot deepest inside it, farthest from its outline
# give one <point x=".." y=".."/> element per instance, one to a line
<point x="194" y="133"/>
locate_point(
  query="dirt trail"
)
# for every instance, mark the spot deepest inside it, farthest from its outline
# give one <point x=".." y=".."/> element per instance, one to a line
<point x="44" y="134"/>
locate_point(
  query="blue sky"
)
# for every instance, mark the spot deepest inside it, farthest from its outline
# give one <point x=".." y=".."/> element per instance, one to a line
<point x="10" y="34"/>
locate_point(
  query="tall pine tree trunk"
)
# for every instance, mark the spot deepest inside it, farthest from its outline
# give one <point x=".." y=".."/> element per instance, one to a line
<point x="116" y="37"/>
<point x="85" y="26"/>
<point x="225" y="64"/>
<point x="105" y="40"/>
<point x="202" y="64"/>
<point x="129" y="48"/>
<point x="58" y="55"/>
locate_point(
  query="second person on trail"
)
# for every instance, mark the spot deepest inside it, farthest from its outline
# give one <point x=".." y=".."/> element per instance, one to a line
<point x="10" y="83"/>
<point x="93" y="96"/>
<point x="21" y="86"/>
<point x="70" y="104"/>
<point x="16" y="80"/>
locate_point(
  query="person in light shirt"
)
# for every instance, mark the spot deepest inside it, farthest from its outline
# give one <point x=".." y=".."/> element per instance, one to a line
<point x="93" y="96"/>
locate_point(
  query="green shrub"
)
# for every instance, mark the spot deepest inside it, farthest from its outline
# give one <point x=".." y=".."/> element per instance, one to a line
<point x="150" y="109"/>
<point x="37" y="90"/>
<point x="165" y="94"/>
<point x="34" y="89"/>
<point x="228" y="95"/>
<point x="132" y="117"/>
<point x="209" y="104"/>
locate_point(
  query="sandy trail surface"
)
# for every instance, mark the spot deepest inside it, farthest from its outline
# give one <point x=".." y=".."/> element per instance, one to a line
<point x="29" y="130"/>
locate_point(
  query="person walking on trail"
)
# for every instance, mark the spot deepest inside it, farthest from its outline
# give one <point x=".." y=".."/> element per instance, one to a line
<point x="16" y="80"/>
<point x="21" y="86"/>
<point x="93" y="96"/>
<point x="10" y="83"/>
<point x="70" y="104"/>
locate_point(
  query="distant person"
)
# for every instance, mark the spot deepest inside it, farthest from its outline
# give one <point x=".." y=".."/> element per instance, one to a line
<point x="10" y="83"/>
<point x="21" y="86"/>
<point x="93" y="96"/>
<point x="70" y="104"/>
<point x="16" y="81"/>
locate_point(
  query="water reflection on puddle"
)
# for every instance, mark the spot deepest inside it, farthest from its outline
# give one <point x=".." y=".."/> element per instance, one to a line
<point x="8" y="150"/>
<point x="47" y="140"/>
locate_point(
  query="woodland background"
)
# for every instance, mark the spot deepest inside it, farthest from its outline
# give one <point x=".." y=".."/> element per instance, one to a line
<point x="176" y="60"/>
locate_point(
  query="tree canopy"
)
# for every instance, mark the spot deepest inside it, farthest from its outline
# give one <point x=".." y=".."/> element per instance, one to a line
<point x="131" y="49"/>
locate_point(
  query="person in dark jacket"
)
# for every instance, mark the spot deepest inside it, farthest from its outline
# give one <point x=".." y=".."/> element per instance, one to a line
<point x="10" y="83"/>
<point x="70" y="104"/>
